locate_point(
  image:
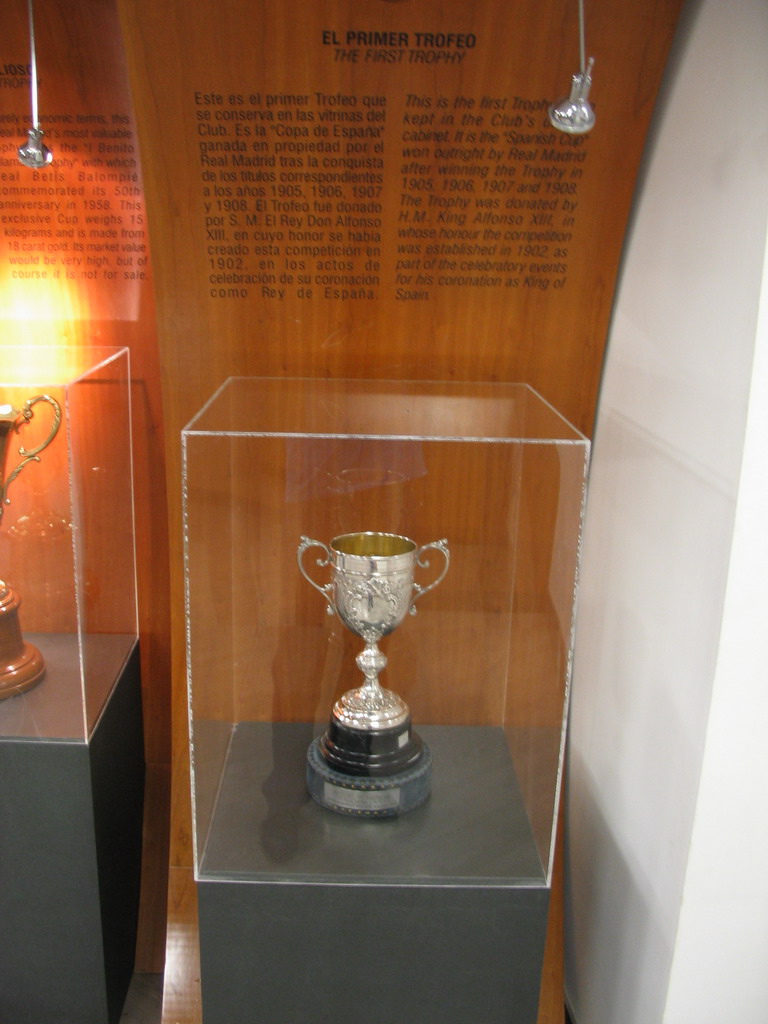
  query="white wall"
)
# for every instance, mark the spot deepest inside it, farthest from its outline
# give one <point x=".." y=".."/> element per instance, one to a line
<point x="667" y="814"/>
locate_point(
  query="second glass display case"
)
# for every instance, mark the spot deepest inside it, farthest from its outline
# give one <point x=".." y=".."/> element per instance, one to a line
<point x="71" y="746"/>
<point x="68" y="616"/>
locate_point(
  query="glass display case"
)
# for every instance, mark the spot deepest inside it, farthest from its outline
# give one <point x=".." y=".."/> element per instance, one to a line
<point x="66" y="537"/>
<point x="71" y="741"/>
<point x="496" y="475"/>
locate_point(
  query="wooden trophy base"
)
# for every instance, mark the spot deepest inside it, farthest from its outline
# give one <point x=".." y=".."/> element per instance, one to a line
<point x="21" y="664"/>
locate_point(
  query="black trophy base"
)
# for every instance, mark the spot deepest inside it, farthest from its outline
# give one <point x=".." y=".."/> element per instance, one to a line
<point x="366" y="796"/>
<point x="370" y="753"/>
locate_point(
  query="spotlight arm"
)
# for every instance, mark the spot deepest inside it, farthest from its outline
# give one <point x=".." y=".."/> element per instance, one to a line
<point x="582" y="43"/>
<point x="33" y="64"/>
<point x="34" y="153"/>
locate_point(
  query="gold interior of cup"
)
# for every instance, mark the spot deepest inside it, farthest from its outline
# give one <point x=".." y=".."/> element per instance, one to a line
<point x="373" y="545"/>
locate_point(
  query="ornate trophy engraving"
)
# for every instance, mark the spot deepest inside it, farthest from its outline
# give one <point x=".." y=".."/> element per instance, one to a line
<point x="370" y="762"/>
<point x="21" y="664"/>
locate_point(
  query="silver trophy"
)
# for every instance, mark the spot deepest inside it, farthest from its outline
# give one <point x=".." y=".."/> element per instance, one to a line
<point x="382" y="766"/>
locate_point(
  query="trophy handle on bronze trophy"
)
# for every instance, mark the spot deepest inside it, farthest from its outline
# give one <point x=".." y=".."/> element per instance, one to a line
<point x="370" y="762"/>
<point x="21" y="663"/>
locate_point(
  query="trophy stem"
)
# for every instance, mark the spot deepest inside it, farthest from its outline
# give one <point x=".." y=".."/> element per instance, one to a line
<point x="371" y="662"/>
<point x="370" y="707"/>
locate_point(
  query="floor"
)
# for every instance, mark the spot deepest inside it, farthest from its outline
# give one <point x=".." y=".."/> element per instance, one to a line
<point x="144" y="1003"/>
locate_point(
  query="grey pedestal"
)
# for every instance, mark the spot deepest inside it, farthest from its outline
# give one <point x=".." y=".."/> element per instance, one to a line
<point x="70" y="862"/>
<point x="436" y="917"/>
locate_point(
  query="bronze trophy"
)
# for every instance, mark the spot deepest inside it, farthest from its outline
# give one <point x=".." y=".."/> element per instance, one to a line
<point x="21" y="663"/>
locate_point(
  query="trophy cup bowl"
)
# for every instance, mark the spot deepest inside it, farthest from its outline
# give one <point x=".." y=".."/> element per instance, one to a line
<point x="21" y="663"/>
<point x="370" y="762"/>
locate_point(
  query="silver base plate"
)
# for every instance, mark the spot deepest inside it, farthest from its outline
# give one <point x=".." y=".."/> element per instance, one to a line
<point x="368" y="797"/>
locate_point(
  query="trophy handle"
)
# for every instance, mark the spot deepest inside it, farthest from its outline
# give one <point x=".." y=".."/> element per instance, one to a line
<point x="31" y="454"/>
<point x="305" y="544"/>
<point x="419" y="591"/>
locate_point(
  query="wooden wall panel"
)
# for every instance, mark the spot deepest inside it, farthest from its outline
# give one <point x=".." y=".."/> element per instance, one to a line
<point x="459" y="238"/>
<point x="201" y="67"/>
<point x="75" y="271"/>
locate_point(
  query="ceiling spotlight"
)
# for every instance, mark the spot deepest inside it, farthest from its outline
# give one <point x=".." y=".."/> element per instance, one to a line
<point x="574" y="113"/>
<point x="34" y="153"/>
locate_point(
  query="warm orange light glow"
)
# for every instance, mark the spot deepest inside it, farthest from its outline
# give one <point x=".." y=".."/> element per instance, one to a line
<point x="25" y="301"/>
<point x="85" y="257"/>
<point x="41" y="364"/>
<point x="40" y="329"/>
